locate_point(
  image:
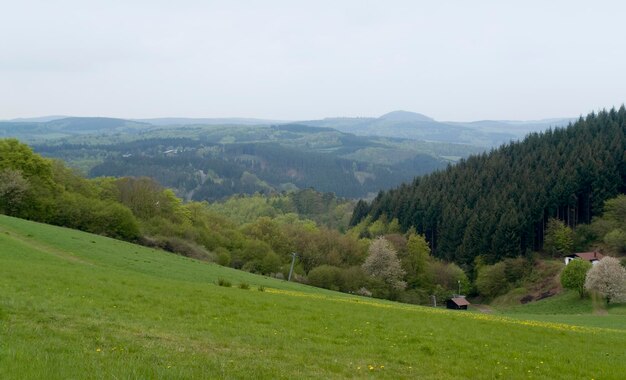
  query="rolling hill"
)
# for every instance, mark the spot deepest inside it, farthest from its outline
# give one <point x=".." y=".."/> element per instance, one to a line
<point x="213" y="162"/>
<point x="73" y="304"/>
<point x="49" y="128"/>
<point x="415" y="126"/>
<point x="396" y="124"/>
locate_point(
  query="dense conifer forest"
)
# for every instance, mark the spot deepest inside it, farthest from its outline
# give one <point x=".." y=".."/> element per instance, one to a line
<point x="496" y="205"/>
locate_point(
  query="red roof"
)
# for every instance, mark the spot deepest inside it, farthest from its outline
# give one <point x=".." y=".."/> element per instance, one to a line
<point x="460" y="301"/>
<point x="589" y="256"/>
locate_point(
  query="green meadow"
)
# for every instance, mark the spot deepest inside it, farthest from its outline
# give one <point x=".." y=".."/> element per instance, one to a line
<point x="75" y="305"/>
<point x="569" y="308"/>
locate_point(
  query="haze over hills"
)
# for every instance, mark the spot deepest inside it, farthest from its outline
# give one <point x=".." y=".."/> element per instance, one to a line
<point x="55" y="128"/>
<point x="411" y="125"/>
<point x="397" y="124"/>
<point x="184" y="121"/>
<point x="41" y="119"/>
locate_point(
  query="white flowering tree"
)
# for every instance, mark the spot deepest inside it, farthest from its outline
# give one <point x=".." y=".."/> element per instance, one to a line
<point x="382" y="262"/>
<point x="608" y="278"/>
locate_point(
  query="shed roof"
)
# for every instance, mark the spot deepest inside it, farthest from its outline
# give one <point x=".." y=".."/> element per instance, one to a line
<point x="460" y="301"/>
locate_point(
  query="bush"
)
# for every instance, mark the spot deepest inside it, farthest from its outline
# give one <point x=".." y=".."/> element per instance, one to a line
<point x="252" y="250"/>
<point x="415" y="296"/>
<point x="574" y="274"/>
<point x="222" y="256"/>
<point x="261" y="288"/>
<point x="379" y="288"/>
<point x="491" y="280"/>
<point x="270" y="263"/>
<point x="352" y="279"/>
<point x="448" y="275"/>
<point x="441" y="294"/>
<point x="179" y="246"/>
<point x="244" y="285"/>
<point x="96" y="216"/>
<point x="325" y="276"/>
<point x="517" y="269"/>
<point x="224" y="282"/>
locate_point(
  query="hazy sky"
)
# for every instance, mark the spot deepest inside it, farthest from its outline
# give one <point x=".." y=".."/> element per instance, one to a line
<point x="451" y="60"/>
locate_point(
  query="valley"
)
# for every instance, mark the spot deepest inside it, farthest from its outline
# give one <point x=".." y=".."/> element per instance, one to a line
<point x="74" y="303"/>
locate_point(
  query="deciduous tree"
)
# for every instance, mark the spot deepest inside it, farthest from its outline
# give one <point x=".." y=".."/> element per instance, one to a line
<point x="415" y="261"/>
<point x="13" y="188"/>
<point x="382" y="263"/>
<point x="608" y="278"/>
<point x="559" y="238"/>
<point x="491" y="280"/>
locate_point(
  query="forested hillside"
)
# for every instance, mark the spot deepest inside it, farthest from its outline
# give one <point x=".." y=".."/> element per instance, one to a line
<point x="210" y="172"/>
<point x="214" y="162"/>
<point x="497" y="205"/>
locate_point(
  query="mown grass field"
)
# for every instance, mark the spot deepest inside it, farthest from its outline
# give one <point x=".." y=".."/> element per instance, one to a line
<point x="75" y="305"/>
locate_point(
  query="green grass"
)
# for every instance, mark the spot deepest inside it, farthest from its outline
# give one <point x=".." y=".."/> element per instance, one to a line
<point x="567" y="307"/>
<point x="567" y="303"/>
<point x="75" y="305"/>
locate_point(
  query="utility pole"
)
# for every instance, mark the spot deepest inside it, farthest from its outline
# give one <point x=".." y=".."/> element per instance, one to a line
<point x="459" y="286"/>
<point x="293" y="260"/>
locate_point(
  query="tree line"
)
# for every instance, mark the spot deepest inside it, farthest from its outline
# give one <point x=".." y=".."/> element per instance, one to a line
<point x="254" y="233"/>
<point x="497" y="205"/>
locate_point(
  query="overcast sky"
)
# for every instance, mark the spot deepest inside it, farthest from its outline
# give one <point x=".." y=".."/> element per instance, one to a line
<point x="451" y="60"/>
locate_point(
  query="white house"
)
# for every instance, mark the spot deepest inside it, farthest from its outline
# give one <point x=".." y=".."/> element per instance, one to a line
<point x="592" y="257"/>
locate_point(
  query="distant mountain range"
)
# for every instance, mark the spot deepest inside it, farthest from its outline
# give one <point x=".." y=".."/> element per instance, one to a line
<point x="183" y="121"/>
<point x="411" y="125"/>
<point x="63" y="127"/>
<point x="397" y="124"/>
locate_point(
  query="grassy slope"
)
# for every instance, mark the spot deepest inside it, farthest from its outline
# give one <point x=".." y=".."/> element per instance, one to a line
<point x="567" y="307"/>
<point x="74" y="305"/>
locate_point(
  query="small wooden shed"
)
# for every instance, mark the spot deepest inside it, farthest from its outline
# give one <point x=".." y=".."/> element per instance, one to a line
<point x="457" y="303"/>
